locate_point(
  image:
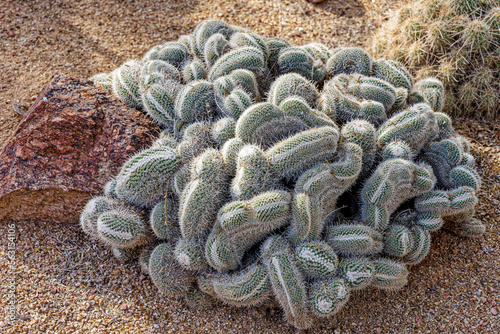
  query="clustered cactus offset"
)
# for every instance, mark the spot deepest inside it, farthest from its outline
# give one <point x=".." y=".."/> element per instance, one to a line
<point x="300" y="174"/>
<point x="456" y="41"/>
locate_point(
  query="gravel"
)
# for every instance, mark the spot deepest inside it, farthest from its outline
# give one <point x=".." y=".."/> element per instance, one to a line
<point x="60" y="281"/>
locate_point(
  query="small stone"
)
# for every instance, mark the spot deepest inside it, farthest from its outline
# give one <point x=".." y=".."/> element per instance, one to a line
<point x="124" y="306"/>
<point x="493" y="311"/>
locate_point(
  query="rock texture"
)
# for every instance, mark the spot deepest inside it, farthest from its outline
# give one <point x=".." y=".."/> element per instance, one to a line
<point x="70" y="143"/>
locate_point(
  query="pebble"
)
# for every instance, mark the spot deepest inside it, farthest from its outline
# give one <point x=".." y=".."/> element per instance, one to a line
<point x="493" y="311"/>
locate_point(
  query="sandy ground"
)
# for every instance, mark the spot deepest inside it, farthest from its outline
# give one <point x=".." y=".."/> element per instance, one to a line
<point x="65" y="283"/>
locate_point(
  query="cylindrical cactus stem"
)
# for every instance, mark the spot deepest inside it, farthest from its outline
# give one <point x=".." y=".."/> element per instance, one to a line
<point x="398" y="241"/>
<point x="470" y="228"/>
<point x="389" y="275"/>
<point x="196" y="139"/>
<point x="318" y="51"/>
<point x="166" y="273"/>
<point x="433" y="92"/>
<point x="362" y="133"/>
<point x="421" y="246"/>
<point x="110" y="189"/>
<point x="190" y="254"/>
<point x="368" y="88"/>
<point x="345" y="169"/>
<point x="275" y="45"/>
<point x="246" y="81"/>
<point x="349" y="60"/>
<point x="105" y="80"/>
<point x="205" y="30"/>
<point x="223" y="130"/>
<point x="308" y="220"/>
<point x="93" y="209"/>
<point x="166" y="139"/>
<point x="436" y="201"/>
<point x="397" y="150"/>
<point x="355" y="240"/>
<point x="297" y="107"/>
<point x="356" y="272"/>
<point x="253" y="174"/>
<point x="223" y="86"/>
<point x="242" y="39"/>
<point x="293" y="84"/>
<point x="399" y="103"/>
<point x="214" y="48"/>
<point x="328" y="297"/>
<point x="416" y="126"/>
<point x="392" y="183"/>
<point x="240" y="225"/>
<point x="339" y="102"/>
<point x="317" y="259"/>
<point x="166" y="70"/>
<point x="465" y="176"/>
<point x="317" y="191"/>
<point x="249" y="287"/>
<point x="180" y="179"/>
<point x="163" y="219"/>
<point x="125" y="83"/>
<point x="478" y="36"/>
<point x="462" y="199"/>
<point x="195" y="102"/>
<point x="230" y="152"/>
<point x="288" y="286"/>
<point x="444" y="155"/>
<point x="122" y="228"/>
<point x="236" y="103"/>
<point x="144" y="178"/>
<point x="159" y="102"/>
<point x="429" y="221"/>
<point x="295" y="60"/>
<point x="444" y="125"/>
<point x="174" y="53"/>
<point x="248" y="58"/>
<point x="193" y="71"/>
<point x="297" y="153"/>
<point x="203" y="195"/>
<point x="393" y="72"/>
<point x="186" y="40"/>
<point x="265" y="124"/>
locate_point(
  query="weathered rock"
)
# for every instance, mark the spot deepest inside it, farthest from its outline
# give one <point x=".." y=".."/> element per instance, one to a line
<point x="70" y="143"/>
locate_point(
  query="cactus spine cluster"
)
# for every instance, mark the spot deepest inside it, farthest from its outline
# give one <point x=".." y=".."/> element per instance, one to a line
<point x="294" y="173"/>
<point x="455" y="41"/>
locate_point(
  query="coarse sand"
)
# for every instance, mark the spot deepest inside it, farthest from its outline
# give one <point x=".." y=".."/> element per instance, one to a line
<point x="64" y="282"/>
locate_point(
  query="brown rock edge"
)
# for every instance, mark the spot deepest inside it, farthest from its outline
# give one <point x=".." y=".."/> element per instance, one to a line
<point x="70" y="143"/>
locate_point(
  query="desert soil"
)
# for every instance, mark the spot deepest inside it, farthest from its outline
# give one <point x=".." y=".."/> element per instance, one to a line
<point x="66" y="283"/>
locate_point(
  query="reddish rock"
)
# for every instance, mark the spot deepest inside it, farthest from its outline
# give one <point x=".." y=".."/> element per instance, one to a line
<point x="70" y="143"/>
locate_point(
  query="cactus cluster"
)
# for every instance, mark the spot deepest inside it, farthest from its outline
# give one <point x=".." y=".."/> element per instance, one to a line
<point x="300" y="174"/>
<point x="456" y="41"/>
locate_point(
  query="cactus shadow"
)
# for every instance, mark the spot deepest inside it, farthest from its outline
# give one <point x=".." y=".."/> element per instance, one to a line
<point x="348" y="8"/>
